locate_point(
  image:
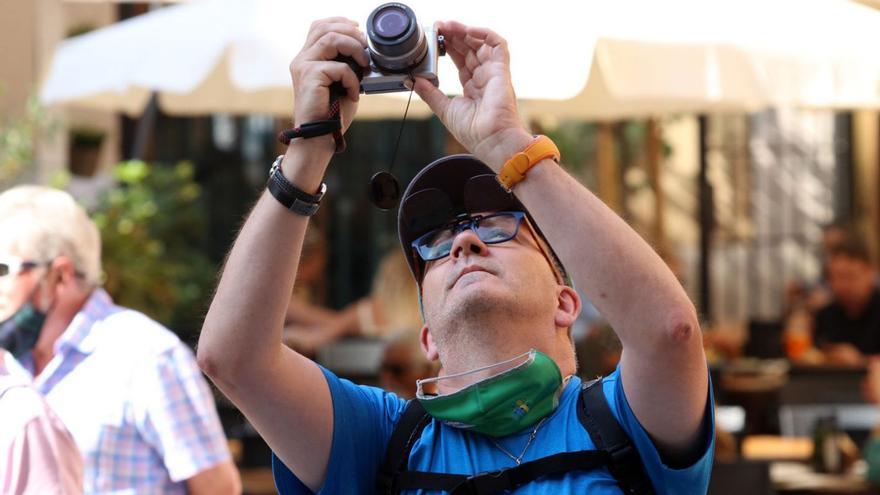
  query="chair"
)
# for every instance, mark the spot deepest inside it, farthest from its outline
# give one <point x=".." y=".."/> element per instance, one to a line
<point x="799" y="420"/>
<point x="765" y="340"/>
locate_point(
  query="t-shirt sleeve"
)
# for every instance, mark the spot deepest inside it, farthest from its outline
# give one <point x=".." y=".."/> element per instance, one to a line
<point x="363" y="419"/>
<point x="689" y="479"/>
<point x="177" y="415"/>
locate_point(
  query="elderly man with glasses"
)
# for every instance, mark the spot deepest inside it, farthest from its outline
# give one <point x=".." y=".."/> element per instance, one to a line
<point x="126" y="388"/>
<point x="495" y="271"/>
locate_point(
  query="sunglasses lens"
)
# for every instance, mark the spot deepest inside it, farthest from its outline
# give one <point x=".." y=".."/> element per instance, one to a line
<point x="436" y="244"/>
<point x="4" y="269"/>
<point x="498" y="228"/>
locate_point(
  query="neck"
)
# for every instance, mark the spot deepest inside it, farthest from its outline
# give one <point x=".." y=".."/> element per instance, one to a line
<point x="471" y="348"/>
<point x="57" y="321"/>
<point x="854" y="308"/>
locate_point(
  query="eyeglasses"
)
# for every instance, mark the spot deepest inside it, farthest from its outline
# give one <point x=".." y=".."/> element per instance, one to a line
<point x="13" y="266"/>
<point x="491" y="229"/>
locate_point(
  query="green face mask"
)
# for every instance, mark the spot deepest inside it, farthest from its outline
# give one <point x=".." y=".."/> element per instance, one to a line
<point x="497" y="400"/>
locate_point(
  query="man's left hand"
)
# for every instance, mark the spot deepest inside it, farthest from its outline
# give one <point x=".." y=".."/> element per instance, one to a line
<point x="484" y="119"/>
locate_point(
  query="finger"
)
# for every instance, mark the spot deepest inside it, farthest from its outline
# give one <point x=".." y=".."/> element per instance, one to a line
<point x="452" y="30"/>
<point x="319" y="31"/>
<point x="321" y="26"/>
<point x="326" y="73"/>
<point x="458" y="58"/>
<point x="332" y="44"/>
<point x="457" y="55"/>
<point x="483" y="36"/>
<point x="432" y="96"/>
<point x="471" y="61"/>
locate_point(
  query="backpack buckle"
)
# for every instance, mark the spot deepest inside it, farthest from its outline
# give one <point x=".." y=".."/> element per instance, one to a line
<point x="488" y="482"/>
<point x="620" y="451"/>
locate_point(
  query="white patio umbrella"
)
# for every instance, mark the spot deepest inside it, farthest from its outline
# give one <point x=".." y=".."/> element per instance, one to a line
<point x="595" y="59"/>
<point x="652" y="58"/>
<point x="233" y="56"/>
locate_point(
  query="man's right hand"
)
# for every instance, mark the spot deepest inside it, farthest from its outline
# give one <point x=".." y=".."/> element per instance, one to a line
<point x="314" y="70"/>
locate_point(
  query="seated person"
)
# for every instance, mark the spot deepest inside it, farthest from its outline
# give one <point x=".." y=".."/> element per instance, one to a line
<point x="391" y="306"/>
<point x="403" y="364"/>
<point x="848" y="328"/>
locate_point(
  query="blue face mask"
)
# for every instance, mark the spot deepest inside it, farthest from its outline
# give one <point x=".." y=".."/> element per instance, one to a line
<point x="19" y="332"/>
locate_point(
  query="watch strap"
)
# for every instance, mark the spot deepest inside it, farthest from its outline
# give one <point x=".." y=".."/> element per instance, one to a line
<point x="516" y="168"/>
<point x="290" y="196"/>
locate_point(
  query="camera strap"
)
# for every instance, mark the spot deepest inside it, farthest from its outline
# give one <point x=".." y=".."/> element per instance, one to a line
<point x="332" y="125"/>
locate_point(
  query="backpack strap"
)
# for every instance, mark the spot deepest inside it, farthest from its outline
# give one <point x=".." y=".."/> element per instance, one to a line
<point x="407" y="430"/>
<point x="493" y="482"/>
<point x="614" y="450"/>
<point x="624" y="461"/>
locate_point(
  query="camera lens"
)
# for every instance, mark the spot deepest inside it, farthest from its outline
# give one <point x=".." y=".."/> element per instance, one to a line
<point x="397" y="43"/>
<point x="391" y="22"/>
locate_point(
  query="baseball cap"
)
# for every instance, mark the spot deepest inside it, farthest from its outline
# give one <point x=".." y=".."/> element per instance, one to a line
<point x="448" y="187"/>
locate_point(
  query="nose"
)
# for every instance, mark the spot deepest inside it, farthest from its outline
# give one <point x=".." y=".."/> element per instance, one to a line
<point x="466" y="243"/>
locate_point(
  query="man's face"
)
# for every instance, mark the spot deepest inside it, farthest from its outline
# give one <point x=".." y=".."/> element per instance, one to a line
<point x="482" y="282"/>
<point x="851" y="280"/>
<point x="17" y="286"/>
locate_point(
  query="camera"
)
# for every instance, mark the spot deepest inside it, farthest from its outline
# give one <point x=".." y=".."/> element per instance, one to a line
<point x="399" y="48"/>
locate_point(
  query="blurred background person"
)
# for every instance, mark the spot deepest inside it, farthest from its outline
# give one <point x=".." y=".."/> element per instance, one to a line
<point x="306" y="308"/>
<point x="37" y="453"/>
<point x="403" y="363"/>
<point x="391" y="306"/>
<point x="127" y="389"/>
<point x="848" y="328"/>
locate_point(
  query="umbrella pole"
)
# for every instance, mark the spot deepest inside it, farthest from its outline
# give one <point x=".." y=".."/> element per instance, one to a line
<point x="144" y="130"/>
<point x="654" y="152"/>
<point x="706" y="219"/>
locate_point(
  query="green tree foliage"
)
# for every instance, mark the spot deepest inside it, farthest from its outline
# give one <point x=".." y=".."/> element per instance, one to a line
<point x="152" y="227"/>
<point x="17" y="140"/>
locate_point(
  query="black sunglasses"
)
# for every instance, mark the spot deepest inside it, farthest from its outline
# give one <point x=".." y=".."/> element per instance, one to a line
<point x="14" y="267"/>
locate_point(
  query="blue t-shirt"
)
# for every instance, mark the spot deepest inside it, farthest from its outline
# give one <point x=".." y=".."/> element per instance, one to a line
<point x="364" y="418"/>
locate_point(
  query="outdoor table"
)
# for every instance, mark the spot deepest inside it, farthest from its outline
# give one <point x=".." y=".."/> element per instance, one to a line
<point x="791" y="472"/>
<point x="797" y="477"/>
<point x="761" y="387"/>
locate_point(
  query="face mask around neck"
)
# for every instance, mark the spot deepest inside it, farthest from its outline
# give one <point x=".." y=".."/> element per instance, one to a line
<point x="497" y="400"/>
<point x="19" y="332"/>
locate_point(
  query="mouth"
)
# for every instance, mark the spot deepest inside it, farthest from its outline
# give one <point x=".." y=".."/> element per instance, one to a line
<point x="465" y="271"/>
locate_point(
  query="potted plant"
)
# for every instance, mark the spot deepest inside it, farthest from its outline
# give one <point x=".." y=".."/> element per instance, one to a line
<point x="85" y="148"/>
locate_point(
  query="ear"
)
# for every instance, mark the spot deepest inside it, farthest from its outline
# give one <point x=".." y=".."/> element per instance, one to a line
<point x="63" y="273"/>
<point x="568" y="306"/>
<point x="428" y="347"/>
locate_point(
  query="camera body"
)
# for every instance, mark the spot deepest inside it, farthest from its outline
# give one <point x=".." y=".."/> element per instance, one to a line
<point x="399" y="48"/>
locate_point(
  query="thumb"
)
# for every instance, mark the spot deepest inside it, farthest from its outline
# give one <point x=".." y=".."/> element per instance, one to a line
<point x="435" y="99"/>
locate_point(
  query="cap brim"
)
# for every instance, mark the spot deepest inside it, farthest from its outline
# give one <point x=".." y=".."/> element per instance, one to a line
<point x="444" y="189"/>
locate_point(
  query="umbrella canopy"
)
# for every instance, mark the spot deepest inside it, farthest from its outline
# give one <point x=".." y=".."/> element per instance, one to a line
<point x="593" y="59"/>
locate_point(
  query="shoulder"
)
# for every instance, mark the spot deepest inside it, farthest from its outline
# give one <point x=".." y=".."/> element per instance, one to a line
<point x="131" y="333"/>
<point x="20" y="405"/>
<point x="674" y="479"/>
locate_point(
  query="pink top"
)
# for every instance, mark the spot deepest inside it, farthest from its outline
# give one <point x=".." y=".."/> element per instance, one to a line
<point x="37" y="453"/>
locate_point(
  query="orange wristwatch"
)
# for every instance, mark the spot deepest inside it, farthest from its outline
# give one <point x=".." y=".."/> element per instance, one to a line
<point x="515" y="169"/>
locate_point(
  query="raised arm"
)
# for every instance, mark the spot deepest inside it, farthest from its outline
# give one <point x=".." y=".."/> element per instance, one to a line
<point x="240" y="346"/>
<point x="664" y="370"/>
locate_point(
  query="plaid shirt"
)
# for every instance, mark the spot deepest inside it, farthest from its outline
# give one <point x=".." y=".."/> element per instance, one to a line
<point x="134" y="399"/>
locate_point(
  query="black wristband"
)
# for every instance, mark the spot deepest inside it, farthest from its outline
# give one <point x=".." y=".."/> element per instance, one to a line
<point x="290" y="196"/>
